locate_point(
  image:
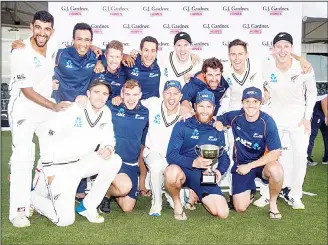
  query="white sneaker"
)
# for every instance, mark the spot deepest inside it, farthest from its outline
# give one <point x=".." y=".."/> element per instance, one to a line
<point x="155" y="211"/>
<point x="20" y="221"/>
<point x="92" y="215"/>
<point x="261" y="202"/>
<point x="296" y="203"/>
<point x="325" y="163"/>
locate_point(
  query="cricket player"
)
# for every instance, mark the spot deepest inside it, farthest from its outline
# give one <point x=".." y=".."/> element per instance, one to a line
<point x="210" y="77"/>
<point x="181" y="64"/>
<point x="30" y="106"/>
<point x="74" y="65"/>
<point x="185" y="166"/>
<point x="163" y="114"/>
<point x="129" y="119"/>
<point x="319" y="121"/>
<point x="293" y="96"/>
<point x="113" y="72"/>
<point x="256" y="151"/>
<point x="147" y="72"/>
<point x="81" y="144"/>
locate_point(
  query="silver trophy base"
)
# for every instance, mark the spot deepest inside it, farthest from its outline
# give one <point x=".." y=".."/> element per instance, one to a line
<point x="208" y="178"/>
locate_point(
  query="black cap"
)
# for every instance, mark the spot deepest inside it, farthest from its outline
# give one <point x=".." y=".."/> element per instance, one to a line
<point x="182" y="35"/>
<point x="283" y="36"/>
<point x="99" y="81"/>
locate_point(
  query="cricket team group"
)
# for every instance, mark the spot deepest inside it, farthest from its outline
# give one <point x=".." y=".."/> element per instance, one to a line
<point x="117" y="117"/>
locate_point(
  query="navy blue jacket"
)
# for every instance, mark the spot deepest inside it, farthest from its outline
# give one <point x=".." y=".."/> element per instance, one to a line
<point x="128" y="129"/>
<point x="186" y="135"/>
<point x="148" y="77"/>
<point x="73" y="73"/>
<point x="252" y="139"/>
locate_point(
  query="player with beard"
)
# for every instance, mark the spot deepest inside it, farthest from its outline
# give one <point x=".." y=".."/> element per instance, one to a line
<point x="30" y="107"/>
<point x="185" y="166"/>
<point x="181" y="64"/>
<point x="210" y="77"/>
<point x="256" y="151"/>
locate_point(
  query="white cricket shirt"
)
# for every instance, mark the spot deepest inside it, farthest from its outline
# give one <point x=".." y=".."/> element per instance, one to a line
<point x="292" y="94"/>
<point x="160" y="125"/>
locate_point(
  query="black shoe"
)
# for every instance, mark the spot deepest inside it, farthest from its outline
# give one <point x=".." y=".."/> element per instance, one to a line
<point x="230" y="203"/>
<point x="284" y="194"/>
<point x="104" y="206"/>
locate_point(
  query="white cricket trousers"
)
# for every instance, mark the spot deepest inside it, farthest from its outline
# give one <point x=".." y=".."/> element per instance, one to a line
<point x="22" y="162"/>
<point x="156" y="165"/>
<point x="295" y="170"/>
<point x="59" y="206"/>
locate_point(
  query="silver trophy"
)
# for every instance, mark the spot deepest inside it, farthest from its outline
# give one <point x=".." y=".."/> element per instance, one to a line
<point x="212" y="152"/>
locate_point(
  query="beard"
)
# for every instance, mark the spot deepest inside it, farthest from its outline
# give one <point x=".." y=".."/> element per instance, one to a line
<point x="204" y="120"/>
<point x="41" y="45"/>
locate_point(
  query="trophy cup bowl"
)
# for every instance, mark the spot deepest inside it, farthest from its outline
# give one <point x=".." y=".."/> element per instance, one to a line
<point x="212" y="152"/>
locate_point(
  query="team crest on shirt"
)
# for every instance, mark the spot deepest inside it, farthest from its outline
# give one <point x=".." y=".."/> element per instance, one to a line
<point x="273" y="78"/>
<point x="37" y="62"/>
<point x="256" y="146"/>
<point x="195" y="135"/>
<point x="78" y="122"/>
<point x="166" y="72"/>
<point x="229" y="81"/>
<point x="69" y="64"/>
<point x="135" y="72"/>
<point x="102" y="76"/>
<point x="121" y="112"/>
<point x="157" y="119"/>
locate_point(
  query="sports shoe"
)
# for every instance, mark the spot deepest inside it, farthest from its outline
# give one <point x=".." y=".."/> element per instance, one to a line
<point x="310" y="162"/>
<point x="155" y="211"/>
<point x="20" y="221"/>
<point x="261" y="202"/>
<point x="104" y="206"/>
<point x="92" y="215"/>
<point x="284" y="194"/>
<point x="325" y="162"/>
<point x="296" y="203"/>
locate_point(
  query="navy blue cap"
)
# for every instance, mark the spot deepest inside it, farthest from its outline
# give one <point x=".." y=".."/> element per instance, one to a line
<point x="252" y="92"/>
<point x="205" y="95"/>
<point x="173" y="84"/>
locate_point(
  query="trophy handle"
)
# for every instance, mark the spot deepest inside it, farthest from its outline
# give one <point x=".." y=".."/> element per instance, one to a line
<point x="197" y="150"/>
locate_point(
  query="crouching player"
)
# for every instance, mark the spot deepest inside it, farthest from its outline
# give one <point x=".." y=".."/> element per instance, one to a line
<point x="256" y="151"/>
<point x="82" y="145"/>
<point x="185" y="166"/>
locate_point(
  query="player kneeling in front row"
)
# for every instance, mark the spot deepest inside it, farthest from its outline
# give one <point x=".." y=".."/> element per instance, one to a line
<point x="75" y="135"/>
<point x="257" y="150"/>
<point x="186" y="167"/>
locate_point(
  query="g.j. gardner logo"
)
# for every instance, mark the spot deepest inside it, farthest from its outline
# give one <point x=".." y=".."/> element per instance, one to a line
<point x="74" y="10"/>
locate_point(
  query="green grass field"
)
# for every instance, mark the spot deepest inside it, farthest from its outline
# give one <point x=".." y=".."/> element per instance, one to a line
<point x="307" y="226"/>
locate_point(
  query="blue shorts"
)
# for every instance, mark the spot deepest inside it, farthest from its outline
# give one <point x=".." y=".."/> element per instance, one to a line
<point x="133" y="173"/>
<point x="193" y="177"/>
<point x="241" y="183"/>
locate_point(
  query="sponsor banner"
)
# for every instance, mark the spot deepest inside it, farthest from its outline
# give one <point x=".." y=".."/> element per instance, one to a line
<point x="211" y="25"/>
